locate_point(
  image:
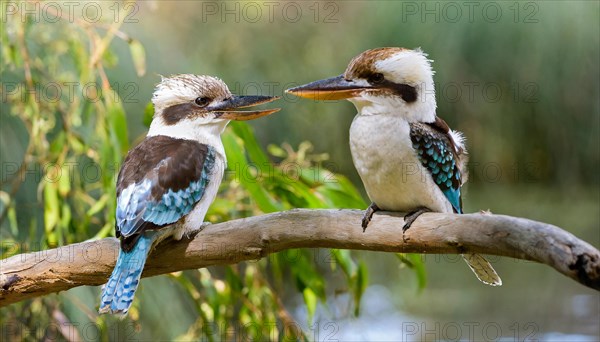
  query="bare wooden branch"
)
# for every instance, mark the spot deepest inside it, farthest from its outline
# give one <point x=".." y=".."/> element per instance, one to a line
<point x="90" y="263"/>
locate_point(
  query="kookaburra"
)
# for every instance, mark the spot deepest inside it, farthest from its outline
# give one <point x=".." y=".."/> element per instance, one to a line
<point x="169" y="180"/>
<point x="408" y="159"/>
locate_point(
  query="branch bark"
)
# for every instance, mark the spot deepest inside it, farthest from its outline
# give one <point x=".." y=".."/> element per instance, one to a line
<point x="90" y="263"/>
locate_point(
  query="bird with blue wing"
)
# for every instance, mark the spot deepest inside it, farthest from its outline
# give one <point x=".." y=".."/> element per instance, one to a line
<point x="407" y="157"/>
<point x="169" y="180"/>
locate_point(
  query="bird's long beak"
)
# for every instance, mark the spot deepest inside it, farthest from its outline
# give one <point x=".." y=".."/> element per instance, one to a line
<point x="335" y="88"/>
<point x="229" y="109"/>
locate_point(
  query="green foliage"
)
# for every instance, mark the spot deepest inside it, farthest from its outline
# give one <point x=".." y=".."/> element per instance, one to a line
<point x="69" y="136"/>
<point x="414" y="262"/>
<point x="78" y="140"/>
<point x="138" y="54"/>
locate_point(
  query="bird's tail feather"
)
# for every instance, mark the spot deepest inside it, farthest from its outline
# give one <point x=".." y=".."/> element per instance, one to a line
<point x="117" y="294"/>
<point x="482" y="269"/>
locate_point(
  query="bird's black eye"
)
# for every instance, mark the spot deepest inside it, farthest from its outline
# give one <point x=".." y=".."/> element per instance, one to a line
<point x="376" y="78"/>
<point x="202" y="101"/>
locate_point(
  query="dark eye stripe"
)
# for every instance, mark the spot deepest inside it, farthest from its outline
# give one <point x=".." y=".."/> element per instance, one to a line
<point x="172" y="115"/>
<point x="407" y="92"/>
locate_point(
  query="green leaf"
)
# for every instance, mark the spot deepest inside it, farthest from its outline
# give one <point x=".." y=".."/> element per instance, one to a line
<point x="305" y="272"/>
<point x="362" y="281"/>
<point x="12" y="219"/>
<point x="344" y="259"/>
<point x="66" y="215"/>
<point x="255" y="152"/>
<point x="7" y="49"/>
<point x="138" y="55"/>
<point x="415" y="262"/>
<point x="310" y="299"/>
<point x="341" y="192"/>
<point x="148" y="114"/>
<point x="238" y="166"/>
<point x="76" y="145"/>
<point x="117" y="122"/>
<point x="58" y="143"/>
<point x="64" y="181"/>
<point x="51" y="208"/>
<point x="301" y="191"/>
<point x="99" y="205"/>
<point x="276" y="151"/>
<point x="105" y="230"/>
<point x="233" y="280"/>
<point x="340" y="199"/>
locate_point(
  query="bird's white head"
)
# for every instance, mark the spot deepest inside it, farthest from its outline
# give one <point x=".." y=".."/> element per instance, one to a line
<point x="188" y="106"/>
<point x="390" y="81"/>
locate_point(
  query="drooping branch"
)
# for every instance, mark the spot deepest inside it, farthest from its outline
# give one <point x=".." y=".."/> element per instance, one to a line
<point x="90" y="263"/>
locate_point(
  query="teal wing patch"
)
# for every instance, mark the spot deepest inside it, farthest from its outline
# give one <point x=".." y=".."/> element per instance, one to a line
<point x="435" y="153"/>
<point x="173" y="205"/>
<point x="168" y="191"/>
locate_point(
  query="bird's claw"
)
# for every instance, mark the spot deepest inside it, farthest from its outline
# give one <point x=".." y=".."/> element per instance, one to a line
<point x="365" y="223"/>
<point x="369" y="215"/>
<point x="191" y="233"/>
<point x="411" y="217"/>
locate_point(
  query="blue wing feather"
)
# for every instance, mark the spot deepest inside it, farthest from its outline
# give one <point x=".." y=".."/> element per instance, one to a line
<point x="436" y="154"/>
<point x="117" y="294"/>
<point x="135" y="204"/>
<point x="453" y="196"/>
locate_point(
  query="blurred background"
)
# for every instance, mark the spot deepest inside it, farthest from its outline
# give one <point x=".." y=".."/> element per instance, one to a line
<point x="520" y="79"/>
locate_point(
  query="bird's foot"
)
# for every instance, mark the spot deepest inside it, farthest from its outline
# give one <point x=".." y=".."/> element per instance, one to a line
<point x="368" y="215"/>
<point x="179" y="230"/>
<point x="412" y="216"/>
<point x="192" y="232"/>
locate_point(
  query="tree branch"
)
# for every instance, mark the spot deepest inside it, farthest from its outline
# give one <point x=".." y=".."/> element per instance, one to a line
<point x="90" y="263"/>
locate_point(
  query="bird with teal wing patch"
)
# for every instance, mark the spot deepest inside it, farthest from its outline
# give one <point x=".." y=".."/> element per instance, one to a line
<point x="408" y="159"/>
